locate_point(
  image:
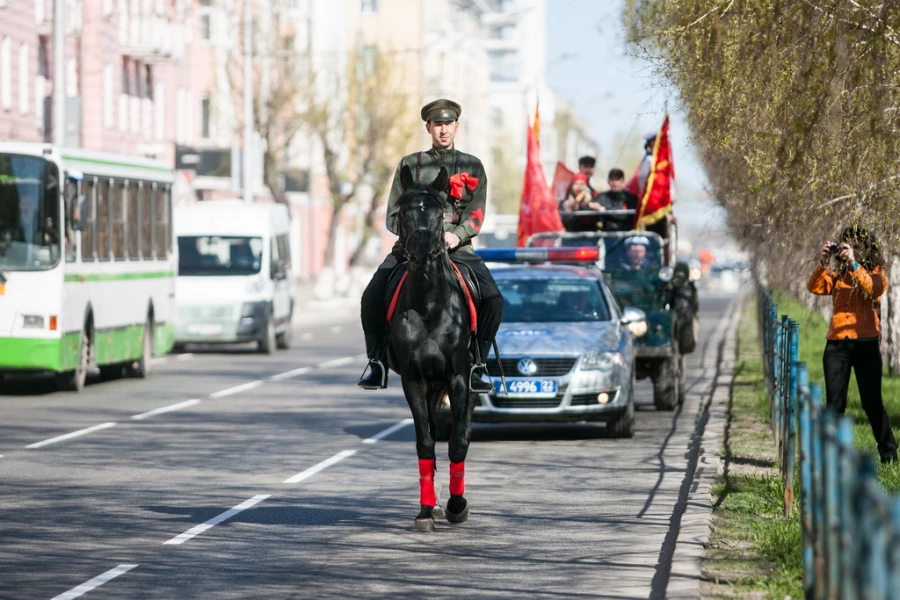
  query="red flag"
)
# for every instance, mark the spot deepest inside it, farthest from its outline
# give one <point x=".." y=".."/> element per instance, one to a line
<point x="561" y="180"/>
<point x="656" y="199"/>
<point x="539" y="212"/>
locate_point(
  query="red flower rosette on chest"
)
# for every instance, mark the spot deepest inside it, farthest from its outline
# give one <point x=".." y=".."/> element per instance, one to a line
<point x="462" y="181"/>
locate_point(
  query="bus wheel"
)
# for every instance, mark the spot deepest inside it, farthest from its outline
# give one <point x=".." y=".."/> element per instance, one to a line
<point x="74" y="381"/>
<point x="141" y="367"/>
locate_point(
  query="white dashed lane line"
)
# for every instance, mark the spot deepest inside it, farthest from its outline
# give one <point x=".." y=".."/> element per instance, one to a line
<point x="338" y="362"/>
<point x="185" y="356"/>
<point x="320" y="467"/>
<point x="94" y="583"/>
<point x="165" y="409"/>
<point x="237" y="389"/>
<point x="388" y="431"/>
<point x="306" y="337"/>
<point x="69" y="436"/>
<point x="197" y="530"/>
<point x="291" y="373"/>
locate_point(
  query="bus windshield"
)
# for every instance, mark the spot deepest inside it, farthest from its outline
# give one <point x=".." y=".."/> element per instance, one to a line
<point x="29" y="213"/>
<point x="213" y="255"/>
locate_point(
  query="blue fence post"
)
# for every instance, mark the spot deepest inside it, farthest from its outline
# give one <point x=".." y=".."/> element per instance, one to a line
<point x="806" y="485"/>
<point x="848" y="468"/>
<point x="865" y="506"/>
<point x="832" y="502"/>
<point x="818" y="488"/>
<point x="791" y="419"/>
<point x="894" y="546"/>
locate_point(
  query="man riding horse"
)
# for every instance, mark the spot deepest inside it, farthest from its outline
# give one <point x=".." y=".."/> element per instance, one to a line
<point x="464" y="204"/>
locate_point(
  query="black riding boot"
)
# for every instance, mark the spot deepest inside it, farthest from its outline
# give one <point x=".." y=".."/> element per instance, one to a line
<point x="378" y="373"/>
<point x="476" y="383"/>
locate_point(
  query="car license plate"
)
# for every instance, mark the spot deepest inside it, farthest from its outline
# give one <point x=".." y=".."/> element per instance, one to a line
<point x="205" y="329"/>
<point x="526" y="387"/>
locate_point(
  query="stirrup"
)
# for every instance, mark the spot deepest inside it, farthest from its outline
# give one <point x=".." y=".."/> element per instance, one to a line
<point x="370" y="382"/>
<point x="484" y="387"/>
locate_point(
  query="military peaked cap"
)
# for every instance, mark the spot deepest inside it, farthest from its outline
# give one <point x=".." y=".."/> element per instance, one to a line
<point x="441" y="111"/>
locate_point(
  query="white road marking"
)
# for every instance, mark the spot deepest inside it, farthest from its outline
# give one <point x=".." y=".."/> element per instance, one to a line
<point x="185" y="356"/>
<point x="69" y="436"/>
<point x="165" y="409"/>
<point x="237" y="389"/>
<point x="388" y="431"/>
<point x="159" y="361"/>
<point x="291" y="373"/>
<point x="362" y="356"/>
<point x="320" y="467"/>
<point x="306" y="337"/>
<point x="94" y="583"/>
<point x="336" y="329"/>
<point x="336" y="362"/>
<point x="197" y="530"/>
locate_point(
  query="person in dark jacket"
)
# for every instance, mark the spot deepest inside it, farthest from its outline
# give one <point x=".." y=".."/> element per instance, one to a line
<point x="851" y="271"/>
<point x="617" y="198"/>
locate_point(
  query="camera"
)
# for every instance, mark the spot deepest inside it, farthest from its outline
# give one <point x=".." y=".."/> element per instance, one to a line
<point x="834" y="248"/>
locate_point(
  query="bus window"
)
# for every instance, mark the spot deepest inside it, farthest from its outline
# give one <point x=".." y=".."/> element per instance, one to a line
<point x="162" y="222"/>
<point x="89" y="187"/>
<point x="118" y="216"/>
<point x="145" y="217"/>
<point x="71" y="196"/>
<point x="131" y="222"/>
<point x="104" y="220"/>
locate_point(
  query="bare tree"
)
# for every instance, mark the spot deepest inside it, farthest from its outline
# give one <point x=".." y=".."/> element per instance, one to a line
<point x="279" y="82"/>
<point x="361" y="118"/>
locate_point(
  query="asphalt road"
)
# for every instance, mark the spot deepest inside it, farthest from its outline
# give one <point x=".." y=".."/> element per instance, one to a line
<point x="275" y="477"/>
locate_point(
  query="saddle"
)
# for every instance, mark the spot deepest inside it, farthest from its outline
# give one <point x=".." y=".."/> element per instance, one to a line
<point x="467" y="282"/>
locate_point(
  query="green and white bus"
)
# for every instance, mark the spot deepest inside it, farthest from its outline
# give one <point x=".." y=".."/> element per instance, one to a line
<point x="87" y="264"/>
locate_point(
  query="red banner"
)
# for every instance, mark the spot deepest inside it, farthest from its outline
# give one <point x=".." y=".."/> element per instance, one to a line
<point x="561" y="180"/>
<point x="539" y="212"/>
<point x="656" y="198"/>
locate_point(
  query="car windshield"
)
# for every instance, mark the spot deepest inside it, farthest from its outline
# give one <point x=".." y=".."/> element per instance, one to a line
<point x="552" y="301"/>
<point x="214" y="255"/>
<point x="632" y="252"/>
<point x="29" y="213"/>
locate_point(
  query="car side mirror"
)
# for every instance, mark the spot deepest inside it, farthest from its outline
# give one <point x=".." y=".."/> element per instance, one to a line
<point x="635" y="320"/>
<point x="78" y="216"/>
<point x="278" y="270"/>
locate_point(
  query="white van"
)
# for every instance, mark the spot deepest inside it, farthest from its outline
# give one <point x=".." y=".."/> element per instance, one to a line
<point x="234" y="274"/>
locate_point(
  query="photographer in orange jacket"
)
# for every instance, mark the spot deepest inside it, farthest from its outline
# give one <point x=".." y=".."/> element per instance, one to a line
<point x="855" y="285"/>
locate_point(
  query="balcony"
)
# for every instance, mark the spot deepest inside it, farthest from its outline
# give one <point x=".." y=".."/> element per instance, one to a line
<point x="153" y="39"/>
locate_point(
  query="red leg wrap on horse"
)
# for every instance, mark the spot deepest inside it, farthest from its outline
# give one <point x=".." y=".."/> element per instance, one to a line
<point x="426" y="482"/>
<point x="457" y="478"/>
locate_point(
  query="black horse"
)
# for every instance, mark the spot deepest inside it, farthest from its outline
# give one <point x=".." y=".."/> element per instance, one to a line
<point x="430" y="330"/>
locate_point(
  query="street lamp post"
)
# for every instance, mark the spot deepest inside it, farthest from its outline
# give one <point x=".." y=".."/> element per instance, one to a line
<point x="59" y="72"/>
<point x="248" y="100"/>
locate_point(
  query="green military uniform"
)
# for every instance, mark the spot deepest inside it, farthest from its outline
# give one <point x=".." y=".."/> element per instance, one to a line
<point x="463" y="217"/>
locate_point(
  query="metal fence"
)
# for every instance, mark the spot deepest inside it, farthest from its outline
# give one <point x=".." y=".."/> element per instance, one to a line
<point x="851" y="528"/>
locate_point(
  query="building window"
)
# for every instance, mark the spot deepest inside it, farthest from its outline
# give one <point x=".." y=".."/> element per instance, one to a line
<point x="24" y="79"/>
<point x="108" y="95"/>
<point x="5" y="73"/>
<point x="107" y="8"/>
<point x="205" y="116"/>
<point x="368" y="6"/>
<point x="71" y="78"/>
<point x="39" y="11"/>
<point x="206" y="20"/>
<point x="148" y="82"/>
<point x="126" y="77"/>
<point x="160" y="112"/>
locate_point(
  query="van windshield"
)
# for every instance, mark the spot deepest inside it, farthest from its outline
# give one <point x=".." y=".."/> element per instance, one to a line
<point x="215" y="255"/>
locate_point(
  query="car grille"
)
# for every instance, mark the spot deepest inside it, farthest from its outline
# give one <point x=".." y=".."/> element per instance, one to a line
<point x="504" y="402"/>
<point x="547" y="367"/>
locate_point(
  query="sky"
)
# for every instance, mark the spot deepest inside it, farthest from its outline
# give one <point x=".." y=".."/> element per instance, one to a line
<point x="592" y="66"/>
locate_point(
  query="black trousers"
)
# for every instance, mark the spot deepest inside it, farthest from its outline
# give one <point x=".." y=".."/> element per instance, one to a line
<point x="373" y="311"/>
<point x="864" y="357"/>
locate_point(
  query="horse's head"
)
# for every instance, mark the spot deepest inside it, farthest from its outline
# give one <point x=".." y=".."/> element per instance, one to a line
<point x="421" y="218"/>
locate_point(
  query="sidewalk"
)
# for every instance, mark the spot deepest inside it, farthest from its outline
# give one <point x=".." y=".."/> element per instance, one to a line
<point x="310" y="309"/>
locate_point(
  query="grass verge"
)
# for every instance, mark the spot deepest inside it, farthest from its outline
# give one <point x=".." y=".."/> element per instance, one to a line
<point x="753" y="550"/>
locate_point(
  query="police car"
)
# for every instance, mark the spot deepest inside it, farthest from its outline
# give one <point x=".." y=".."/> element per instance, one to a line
<point x="566" y="346"/>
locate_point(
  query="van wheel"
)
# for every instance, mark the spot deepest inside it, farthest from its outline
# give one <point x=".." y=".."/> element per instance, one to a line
<point x="283" y="340"/>
<point x="267" y="343"/>
<point x="74" y="381"/>
<point x="141" y="367"/>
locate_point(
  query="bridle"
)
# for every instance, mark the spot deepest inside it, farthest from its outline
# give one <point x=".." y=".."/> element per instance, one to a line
<point x="438" y="248"/>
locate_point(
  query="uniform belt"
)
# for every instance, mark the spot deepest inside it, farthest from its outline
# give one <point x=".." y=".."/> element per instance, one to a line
<point x="451" y="218"/>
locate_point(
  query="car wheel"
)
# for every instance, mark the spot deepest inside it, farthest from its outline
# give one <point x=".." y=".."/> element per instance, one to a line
<point x="623" y="425"/>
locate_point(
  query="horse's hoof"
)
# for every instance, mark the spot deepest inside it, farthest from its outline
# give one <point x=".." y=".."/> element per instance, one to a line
<point x="423" y="526"/>
<point x="457" y="510"/>
<point x="438" y="512"/>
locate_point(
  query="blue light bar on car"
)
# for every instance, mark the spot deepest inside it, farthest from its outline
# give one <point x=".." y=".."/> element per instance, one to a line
<point x="587" y="254"/>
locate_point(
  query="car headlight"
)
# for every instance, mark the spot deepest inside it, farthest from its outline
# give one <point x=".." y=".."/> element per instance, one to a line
<point x="666" y="274"/>
<point x="256" y="286"/>
<point x="600" y="361"/>
<point x="638" y="328"/>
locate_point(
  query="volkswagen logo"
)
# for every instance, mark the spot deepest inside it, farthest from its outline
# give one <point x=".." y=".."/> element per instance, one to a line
<point x="527" y="366"/>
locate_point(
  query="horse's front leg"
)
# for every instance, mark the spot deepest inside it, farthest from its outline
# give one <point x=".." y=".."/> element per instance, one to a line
<point x="461" y="407"/>
<point x="416" y="397"/>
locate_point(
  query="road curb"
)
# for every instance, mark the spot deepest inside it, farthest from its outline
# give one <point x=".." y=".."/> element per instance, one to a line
<point x="686" y="573"/>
